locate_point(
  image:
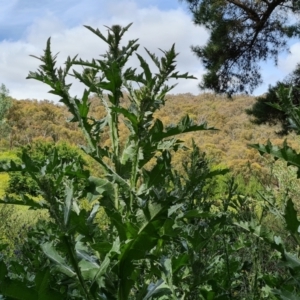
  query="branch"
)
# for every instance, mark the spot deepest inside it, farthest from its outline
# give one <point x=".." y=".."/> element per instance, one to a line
<point x="250" y="12"/>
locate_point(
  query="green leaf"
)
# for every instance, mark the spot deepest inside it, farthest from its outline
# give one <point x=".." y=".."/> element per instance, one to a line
<point x="290" y="216"/>
<point x="129" y="115"/>
<point x="43" y="286"/>
<point x="292" y="261"/>
<point x="150" y="221"/>
<point x="3" y="270"/>
<point x="154" y="58"/>
<point x="98" y="187"/>
<point x="285" y="153"/>
<point x="160" y="288"/>
<point x="169" y="228"/>
<point x="174" y="208"/>
<point x="149" y="213"/>
<point x="285" y="295"/>
<point x="94" y="272"/>
<point x="50" y="251"/>
<point x="129" y="152"/>
<point x="146" y="69"/>
<point x="10" y="166"/>
<point x="185" y="125"/>
<point x="25" y="201"/>
<point x="68" y="202"/>
<point x="102" y="247"/>
<point x="180" y="261"/>
<point x="14" y="289"/>
<point x="196" y="213"/>
<point x="42" y="281"/>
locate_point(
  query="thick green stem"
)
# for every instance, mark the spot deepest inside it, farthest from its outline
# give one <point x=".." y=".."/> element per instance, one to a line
<point x="74" y="262"/>
<point x="227" y="267"/>
<point x="133" y="177"/>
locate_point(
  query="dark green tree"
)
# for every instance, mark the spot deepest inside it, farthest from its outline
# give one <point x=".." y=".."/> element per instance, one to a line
<point x="266" y="110"/>
<point x="242" y="33"/>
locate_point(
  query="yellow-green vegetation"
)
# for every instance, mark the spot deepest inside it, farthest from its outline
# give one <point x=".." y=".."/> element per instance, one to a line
<point x="3" y="183"/>
<point x="226" y="146"/>
<point x="14" y="219"/>
<point x="6" y="156"/>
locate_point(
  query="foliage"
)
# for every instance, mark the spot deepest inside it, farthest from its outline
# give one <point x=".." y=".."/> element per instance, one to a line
<point x="264" y="113"/>
<point x="5" y="104"/>
<point x="265" y="110"/>
<point x="171" y="232"/>
<point x="48" y="122"/>
<point x="133" y="257"/>
<point x="242" y="33"/>
<point x="226" y="147"/>
<point x="288" y="285"/>
<point x="22" y="183"/>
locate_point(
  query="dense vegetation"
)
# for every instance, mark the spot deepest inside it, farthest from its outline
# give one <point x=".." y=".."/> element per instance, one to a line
<point x="266" y="109"/>
<point x="139" y="211"/>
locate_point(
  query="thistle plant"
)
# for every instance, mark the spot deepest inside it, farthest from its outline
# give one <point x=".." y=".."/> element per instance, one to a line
<point x="131" y="258"/>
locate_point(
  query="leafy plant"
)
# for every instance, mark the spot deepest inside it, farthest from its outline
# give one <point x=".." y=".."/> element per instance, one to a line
<point x="22" y="183"/>
<point x="166" y="234"/>
<point x="141" y="252"/>
<point x="286" y="285"/>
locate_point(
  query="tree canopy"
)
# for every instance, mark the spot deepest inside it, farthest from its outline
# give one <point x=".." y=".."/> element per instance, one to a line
<point x="242" y="34"/>
<point x="266" y="108"/>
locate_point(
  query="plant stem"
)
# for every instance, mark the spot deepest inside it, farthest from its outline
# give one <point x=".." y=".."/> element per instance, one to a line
<point x="75" y="265"/>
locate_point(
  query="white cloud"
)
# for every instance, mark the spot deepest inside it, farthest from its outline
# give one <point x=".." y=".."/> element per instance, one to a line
<point x="154" y="28"/>
<point x="288" y="63"/>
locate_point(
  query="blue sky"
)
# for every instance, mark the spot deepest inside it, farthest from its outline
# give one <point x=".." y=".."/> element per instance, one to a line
<point x="25" y="26"/>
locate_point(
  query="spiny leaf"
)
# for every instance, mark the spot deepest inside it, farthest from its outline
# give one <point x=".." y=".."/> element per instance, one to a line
<point x="99" y="186"/>
<point x="185" y="125"/>
<point x="146" y="70"/>
<point x="291" y="261"/>
<point x="129" y="115"/>
<point x="154" y="58"/>
<point x="285" y="153"/>
<point x="157" y="289"/>
<point x="96" y="273"/>
<point x="25" y="200"/>
<point x="180" y="261"/>
<point x="50" y="251"/>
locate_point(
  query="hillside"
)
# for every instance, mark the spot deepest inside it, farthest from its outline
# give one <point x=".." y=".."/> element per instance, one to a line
<point x="227" y="146"/>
